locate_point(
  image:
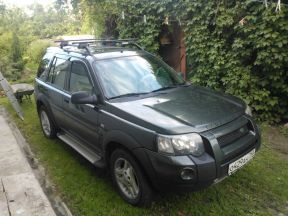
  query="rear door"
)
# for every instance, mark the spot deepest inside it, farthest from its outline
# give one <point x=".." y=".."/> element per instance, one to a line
<point x="41" y="88"/>
<point x="81" y="120"/>
<point x="54" y="89"/>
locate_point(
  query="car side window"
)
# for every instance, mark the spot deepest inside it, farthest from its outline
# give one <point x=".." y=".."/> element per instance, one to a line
<point x="79" y="78"/>
<point x="51" y="71"/>
<point x="43" y="68"/>
<point x="58" y="72"/>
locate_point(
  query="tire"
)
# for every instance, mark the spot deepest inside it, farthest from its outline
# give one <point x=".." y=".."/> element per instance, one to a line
<point x="129" y="179"/>
<point x="47" y="125"/>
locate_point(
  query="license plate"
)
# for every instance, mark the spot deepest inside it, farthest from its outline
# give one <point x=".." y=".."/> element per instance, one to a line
<point x="233" y="167"/>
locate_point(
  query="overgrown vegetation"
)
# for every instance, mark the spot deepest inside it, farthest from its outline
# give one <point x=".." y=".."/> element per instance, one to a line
<point x="239" y="47"/>
<point x="260" y="188"/>
<point x="25" y="35"/>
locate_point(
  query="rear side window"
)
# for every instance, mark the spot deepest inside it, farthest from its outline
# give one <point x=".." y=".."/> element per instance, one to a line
<point x="79" y="79"/>
<point x="43" y="68"/>
<point x="58" y="71"/>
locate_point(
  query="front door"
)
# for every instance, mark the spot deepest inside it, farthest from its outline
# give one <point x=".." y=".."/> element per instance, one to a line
<point x="81" y="120"/>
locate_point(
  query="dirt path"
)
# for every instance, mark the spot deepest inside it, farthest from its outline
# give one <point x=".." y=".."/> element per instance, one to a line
<point x="20" y="192"/>
<point x="24" y="188"/>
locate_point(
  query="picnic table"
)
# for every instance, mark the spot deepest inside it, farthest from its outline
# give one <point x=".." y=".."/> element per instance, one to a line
<point x="21" y="90"/>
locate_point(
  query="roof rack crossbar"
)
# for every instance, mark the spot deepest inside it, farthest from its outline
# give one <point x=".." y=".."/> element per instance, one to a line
<point x="121" y="43"/>
<point x="85" y="43"/>
<point x="75" y="51"/>
<point x="81" y="47"/>
<point x="97" y="40"/>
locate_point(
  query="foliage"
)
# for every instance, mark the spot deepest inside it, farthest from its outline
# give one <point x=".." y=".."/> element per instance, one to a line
<point x="134" y="27"/>
<point x="16" y="58"/>
<point x="36" y="50"/>
<point x="52" y="21"/>
<point x="5" y="41"/>
<point x="248" y="61"/>
<point x="20" y="34"/>
<point x="99" y="15"/>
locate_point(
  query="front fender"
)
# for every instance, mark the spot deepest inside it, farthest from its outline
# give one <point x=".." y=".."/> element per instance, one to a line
<point x="117" y="136"/>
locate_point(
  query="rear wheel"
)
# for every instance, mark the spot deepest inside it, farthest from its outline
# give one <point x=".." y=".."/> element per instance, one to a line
<point x="48" y="128"/>
<point x="129" y="179"/>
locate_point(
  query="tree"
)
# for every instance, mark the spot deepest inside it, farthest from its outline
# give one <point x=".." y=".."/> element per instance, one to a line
<point x="20" y="33"/>
<point x="16" y="54"/>
<point x="16" y="57"/>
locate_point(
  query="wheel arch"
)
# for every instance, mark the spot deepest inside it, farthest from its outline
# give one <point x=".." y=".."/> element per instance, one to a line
<point x="120" y="140"/>
<point x="41" y="101"/>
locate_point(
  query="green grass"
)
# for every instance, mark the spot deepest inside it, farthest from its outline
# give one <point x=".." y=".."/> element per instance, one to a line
<point x="261" y="188"/>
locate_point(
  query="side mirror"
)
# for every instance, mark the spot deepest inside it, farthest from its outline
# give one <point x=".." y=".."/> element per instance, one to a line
<point x="83" y="97"/>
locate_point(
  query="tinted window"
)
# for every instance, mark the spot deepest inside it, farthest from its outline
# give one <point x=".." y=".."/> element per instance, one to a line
<point x="44" y="66"/>
<point x="58" y="72"/>
<point x="135" y="74"/>
<point x="79" y="79"/>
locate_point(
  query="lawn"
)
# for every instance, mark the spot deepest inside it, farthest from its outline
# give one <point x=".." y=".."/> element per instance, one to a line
<point x="261" y="188"/>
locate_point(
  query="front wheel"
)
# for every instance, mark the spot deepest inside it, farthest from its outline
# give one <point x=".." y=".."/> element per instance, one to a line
<point x="128" y="178"/>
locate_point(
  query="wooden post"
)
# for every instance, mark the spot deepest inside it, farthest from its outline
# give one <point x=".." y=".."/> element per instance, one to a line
<point x="182" y="54"/>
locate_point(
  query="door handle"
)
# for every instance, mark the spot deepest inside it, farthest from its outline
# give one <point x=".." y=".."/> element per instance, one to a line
<point x="66" y="100"/>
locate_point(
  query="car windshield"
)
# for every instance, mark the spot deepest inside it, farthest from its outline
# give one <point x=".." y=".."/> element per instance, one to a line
<point x="135" y="75"/>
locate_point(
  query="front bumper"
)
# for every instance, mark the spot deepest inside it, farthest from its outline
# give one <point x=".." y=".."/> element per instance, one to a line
<point x="168" y="171"/>
<point x="164" y="171"/>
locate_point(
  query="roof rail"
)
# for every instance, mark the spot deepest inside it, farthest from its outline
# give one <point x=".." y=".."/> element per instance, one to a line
<point x="86" y="43"/>
<point x="98" y="40"/>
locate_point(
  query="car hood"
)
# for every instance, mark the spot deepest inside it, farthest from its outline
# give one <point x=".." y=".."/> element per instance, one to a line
<point x="182" y="110"/>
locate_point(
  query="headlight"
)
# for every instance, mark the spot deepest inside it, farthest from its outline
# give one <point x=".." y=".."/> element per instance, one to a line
<point x="181" y="144"/>
<point x="248" y="110"/>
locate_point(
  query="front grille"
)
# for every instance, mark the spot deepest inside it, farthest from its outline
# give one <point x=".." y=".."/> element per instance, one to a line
<point x="233" y="136"/>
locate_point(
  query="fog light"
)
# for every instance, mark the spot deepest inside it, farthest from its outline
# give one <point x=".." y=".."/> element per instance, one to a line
<point x="187" y="173"/>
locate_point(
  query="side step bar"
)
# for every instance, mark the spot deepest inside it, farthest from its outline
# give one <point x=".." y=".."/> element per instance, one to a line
<point x="85" y="151"/>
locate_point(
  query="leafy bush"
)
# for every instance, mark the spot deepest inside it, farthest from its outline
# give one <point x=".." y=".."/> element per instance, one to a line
<point x="5" y="66"/>
<point x="35" y="51"/>
<point x="248" y="61"/>
<point x="5" y="41"/>
<point x="20" y="30"/>
<point x="16" y="52"/>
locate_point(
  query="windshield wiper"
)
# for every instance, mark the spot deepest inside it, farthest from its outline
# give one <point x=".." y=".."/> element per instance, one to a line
<point x="164" y="88"/>
<point x="185" y="84"/>
<point x="128" y="95"/>
<point x="143" y="93"/>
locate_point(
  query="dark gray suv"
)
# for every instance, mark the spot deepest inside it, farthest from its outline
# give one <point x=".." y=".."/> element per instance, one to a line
<point x="124" y="109"/>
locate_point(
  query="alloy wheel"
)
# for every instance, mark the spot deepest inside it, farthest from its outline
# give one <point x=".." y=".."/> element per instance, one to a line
<point x="126" y="178"/>
<point x="45" y="123"/>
